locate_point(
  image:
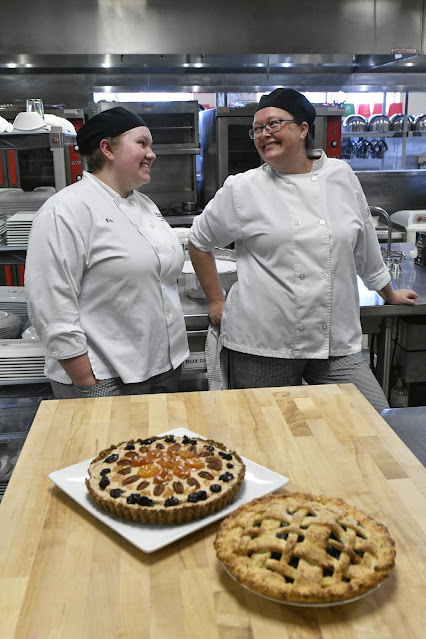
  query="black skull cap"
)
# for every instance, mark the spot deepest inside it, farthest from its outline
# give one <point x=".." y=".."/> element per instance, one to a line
<point x="109" y="123"/>
<point x="289" y="100"/>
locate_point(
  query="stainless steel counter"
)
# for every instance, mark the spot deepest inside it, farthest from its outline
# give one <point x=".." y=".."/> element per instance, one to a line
<point x="378" y="317"/>
<point x="409" y="424"/>
<point x="411" y="276"/>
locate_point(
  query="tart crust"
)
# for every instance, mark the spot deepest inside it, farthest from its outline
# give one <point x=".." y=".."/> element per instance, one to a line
<point x="305" y="548"/>
<point x="165" y="480"/>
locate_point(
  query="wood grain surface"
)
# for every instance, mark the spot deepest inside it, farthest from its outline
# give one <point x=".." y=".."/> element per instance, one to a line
<point x="64" y="574"/>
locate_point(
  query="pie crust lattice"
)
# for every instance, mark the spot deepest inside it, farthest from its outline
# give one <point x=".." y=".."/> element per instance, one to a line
<point x="305" y="548"/>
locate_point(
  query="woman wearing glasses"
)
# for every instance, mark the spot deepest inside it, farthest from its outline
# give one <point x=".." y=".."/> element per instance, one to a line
<point x="302" y="231"/>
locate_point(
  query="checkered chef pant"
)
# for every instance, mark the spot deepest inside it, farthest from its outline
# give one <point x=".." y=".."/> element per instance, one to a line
<point x="167" y="382"/>
<point x="254" y="371"/>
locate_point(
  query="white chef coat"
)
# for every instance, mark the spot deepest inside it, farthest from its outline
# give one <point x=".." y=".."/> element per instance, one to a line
<point x="300" y="240"/>
<point x="101" y="277"/>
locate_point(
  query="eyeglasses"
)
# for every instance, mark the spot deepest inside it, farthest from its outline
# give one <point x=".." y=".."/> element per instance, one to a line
<point x="272" y="127"/>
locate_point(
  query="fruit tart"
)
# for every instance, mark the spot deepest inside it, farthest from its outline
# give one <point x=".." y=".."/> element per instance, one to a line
<point x="165" y="480"/>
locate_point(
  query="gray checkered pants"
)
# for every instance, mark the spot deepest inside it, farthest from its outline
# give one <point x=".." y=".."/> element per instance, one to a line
<point x="167" y="382"/>
<point x="254" y="371"/>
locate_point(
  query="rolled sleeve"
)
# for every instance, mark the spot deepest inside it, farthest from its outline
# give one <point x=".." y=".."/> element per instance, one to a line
<point x="376" y="281"/>
<point x="368" y="256"/>
<point x="63" y="341"/>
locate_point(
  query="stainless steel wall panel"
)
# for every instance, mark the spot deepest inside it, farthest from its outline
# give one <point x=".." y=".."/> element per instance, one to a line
<point x="189" y="26"/>
<point x="398" y="25"/>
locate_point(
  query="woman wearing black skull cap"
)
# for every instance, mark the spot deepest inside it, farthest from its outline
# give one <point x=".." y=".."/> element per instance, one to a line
<point x="302" y="231"/>
<point x="101" y="272"/>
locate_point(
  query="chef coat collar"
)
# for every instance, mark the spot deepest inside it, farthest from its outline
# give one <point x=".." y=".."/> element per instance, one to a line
<point x="115" y="196"/>
<point x="316" y="166"/>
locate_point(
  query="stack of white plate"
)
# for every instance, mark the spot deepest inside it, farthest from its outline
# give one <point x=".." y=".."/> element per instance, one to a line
<point x="18" y="227"/>
<point x="2" y="228"/>
<point x="12" y="300"/>
<point x="10" y="325"/>
<point x="21" y="360"/>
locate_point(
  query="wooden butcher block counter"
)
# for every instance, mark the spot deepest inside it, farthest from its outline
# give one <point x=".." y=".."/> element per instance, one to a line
<point x="65" y="574"/>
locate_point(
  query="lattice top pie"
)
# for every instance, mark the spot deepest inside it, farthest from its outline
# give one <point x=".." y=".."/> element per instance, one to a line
<point x="165" y="480"/>
<point x="305" y="548"/>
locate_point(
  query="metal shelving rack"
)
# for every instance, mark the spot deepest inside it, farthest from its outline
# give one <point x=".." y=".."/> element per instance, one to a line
<point x="385" y="134"/>
<point x="404" y="136"/>
<point x="17" y="255"/>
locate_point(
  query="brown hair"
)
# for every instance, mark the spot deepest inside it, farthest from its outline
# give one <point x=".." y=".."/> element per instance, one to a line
<point x="96" y="160"/>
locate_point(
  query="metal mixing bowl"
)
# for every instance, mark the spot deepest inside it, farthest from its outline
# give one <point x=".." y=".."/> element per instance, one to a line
<point x="379" y="123"/>
<point x="355" y="124"/>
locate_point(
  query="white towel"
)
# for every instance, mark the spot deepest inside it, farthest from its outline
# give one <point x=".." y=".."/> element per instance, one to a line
<point x="222" y="266"/>
<point x="216" y="360"/>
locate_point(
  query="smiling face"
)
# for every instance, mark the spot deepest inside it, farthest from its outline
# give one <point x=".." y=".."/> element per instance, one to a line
<point x="133" y="156"/>
<point x="285" y="147"/>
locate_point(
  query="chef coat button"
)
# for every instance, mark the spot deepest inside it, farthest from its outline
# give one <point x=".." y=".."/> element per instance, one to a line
<point x="301" y="276"/>
<point x="174" y="248"/>
<point x="152" y="226"/>
<point x="325" y="274"/>
<point x="322" y="221"/>
<point x="324" y="327"/>
<point x="300" y="329"/>
<point x="133" y="203"/>
<point x="314" y="178"/>
<point x="297" y="222"/>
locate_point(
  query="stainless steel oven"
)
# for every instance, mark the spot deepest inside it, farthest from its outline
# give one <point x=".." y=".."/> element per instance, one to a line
<point x="226" y="148"/>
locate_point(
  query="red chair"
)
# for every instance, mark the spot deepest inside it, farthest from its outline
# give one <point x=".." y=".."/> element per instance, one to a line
<point x="378" y="108"/>
<point x="364" y="109"/>
<point x="395" y="107"/>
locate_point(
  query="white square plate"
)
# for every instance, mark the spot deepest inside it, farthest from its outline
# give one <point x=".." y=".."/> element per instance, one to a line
<point x="258" y="481"/>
